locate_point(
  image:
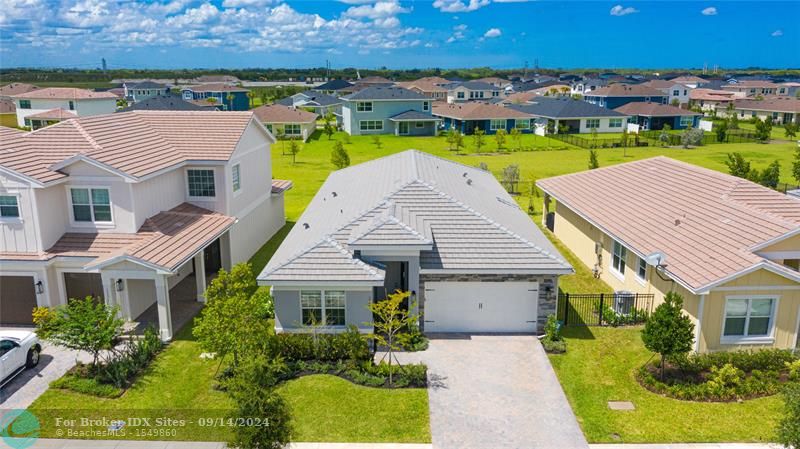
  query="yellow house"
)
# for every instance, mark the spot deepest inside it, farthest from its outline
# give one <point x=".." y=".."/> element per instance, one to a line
<point x="730" y="247"/>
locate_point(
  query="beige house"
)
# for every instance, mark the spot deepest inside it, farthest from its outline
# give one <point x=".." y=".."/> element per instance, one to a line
<point x="781" y="110"/>
<point x="287" y="121"/>
<point x="730" y="247"/>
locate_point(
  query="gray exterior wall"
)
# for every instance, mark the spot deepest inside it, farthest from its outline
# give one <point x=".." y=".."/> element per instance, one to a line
<point x="289" y="318"/>
<point x="428" y="129"/>
<point x="548" y="301"/>
<point x="381" y="110"/>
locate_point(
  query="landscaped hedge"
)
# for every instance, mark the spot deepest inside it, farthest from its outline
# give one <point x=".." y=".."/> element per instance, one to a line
<point x="723" y="376"/>
<point x="349" y="345"/>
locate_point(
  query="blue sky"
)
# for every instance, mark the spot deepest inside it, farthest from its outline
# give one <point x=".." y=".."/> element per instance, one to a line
<point x="398" y="33"/>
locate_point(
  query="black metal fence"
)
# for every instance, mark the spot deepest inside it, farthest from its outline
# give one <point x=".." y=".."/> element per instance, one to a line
<point x="598" y="309"/>
<point x="650" y="139"/>
<point x="674" y="139"/>
<point x="602" y="142"/>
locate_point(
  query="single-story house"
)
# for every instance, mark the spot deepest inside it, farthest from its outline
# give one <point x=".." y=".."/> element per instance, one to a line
<point x="467" y="117"/>
<point x="219" y="91"/>
<point x="710" y="99"/>
<point x="653" y="116"/>
<point x="388" y="110"/>
<point x="781" y="110"/>
<point x="53" y="116"/>
<point x="752" y="88"/>
<point x="578" y="116"/>
<point x="317" y="101"/>
<point x="448" y="233"/>
<point x="287" y="121"/>
<point x="171" y="103"/>
<point x="730" y="247"/>
<point x="619" y="94"/>
<point x="335" y="87"/>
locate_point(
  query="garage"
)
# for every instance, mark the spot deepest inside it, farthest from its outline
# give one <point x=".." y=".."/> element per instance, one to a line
<point x="481" y="306"/>
<point x="17" y="300"/>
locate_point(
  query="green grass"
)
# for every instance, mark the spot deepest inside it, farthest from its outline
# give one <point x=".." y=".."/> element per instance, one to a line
<point x="599" y="367"/>
<point x="777" y="133"/>
<point x="9" y="120"/>
<point x="181" y="385"/>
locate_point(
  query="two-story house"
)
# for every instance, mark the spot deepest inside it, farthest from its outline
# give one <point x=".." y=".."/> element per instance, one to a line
<point x="678" y="93"/>
<point x="95" y="206"/>
<point x="52" y="101"/>
<point x="471" y="90"/>
<point x="143" y="90"/>
<point x="619" y="94"/>
<point x="230" y="98"/>
<point x="388" y="110"/>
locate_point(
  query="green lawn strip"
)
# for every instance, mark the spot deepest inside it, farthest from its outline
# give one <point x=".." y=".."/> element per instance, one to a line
<point x="599" y="367"/>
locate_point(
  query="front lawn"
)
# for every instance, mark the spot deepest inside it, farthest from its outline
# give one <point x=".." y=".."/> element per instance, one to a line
<point x="599" y="366"/>
<point x="181" y="385"/>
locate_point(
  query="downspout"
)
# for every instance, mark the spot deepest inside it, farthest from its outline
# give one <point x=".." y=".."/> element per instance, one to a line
<point x="698" y="328"/>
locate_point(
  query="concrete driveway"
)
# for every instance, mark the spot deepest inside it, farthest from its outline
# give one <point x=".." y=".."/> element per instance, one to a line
<point x="495" y="392"/>
<point x="30" y="384"/>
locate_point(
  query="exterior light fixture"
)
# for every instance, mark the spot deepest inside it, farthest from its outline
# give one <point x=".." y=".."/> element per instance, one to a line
<point x="120" y="285"/>
<point x="39" y="287"/>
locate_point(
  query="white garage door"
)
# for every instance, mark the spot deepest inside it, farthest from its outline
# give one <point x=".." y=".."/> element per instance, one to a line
<point x="481" y="306"/>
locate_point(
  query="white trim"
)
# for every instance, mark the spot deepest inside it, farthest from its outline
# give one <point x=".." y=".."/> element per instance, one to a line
<point x="323" y="307"/>
<point x="756" y="288"/>
<point x="747" y="339"/>
<point x="698" y="332"/>
<point x="619" y="274"/>
<point x="18" y="219"/>
<point x="314" y="284"/>
<point x="783" y="255"/>
<point x="541" y="272"/>
<point x="641" y="280"/>
<point x="213" y="170"/>
<point x="93" y="223"/>
<point x="238" y="167"/>
<point x="797" y="330"/>
<point x="83" y="158"/>
<point x="774" y="240"/>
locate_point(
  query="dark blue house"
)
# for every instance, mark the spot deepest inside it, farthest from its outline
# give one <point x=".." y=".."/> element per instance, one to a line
<point x="220" y="92"/>
<point x="469" y="116"/>
<point x="653" y="116"/>
<point x="620" y="94"/>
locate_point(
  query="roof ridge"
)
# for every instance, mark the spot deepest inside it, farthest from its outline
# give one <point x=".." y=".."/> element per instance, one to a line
<point x="327" y="239"/>
<point x="85" y="134"/>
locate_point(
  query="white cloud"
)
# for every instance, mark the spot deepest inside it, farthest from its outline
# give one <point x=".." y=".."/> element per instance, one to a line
<point x="377" y="11"/>
<point x="777" y="33"/>
<point x="492" y="32"/>
<point x="245" y="3"/>
<point x="459" y="5"/>
<point x="619" y="10"/>
<point x="710" y="11"/>
<point x="460" y="27"/>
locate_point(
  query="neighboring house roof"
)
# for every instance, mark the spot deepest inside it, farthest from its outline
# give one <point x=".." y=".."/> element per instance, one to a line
<point x="745" y="84"/>
<point x="146" y="85"/>
<point x="414" y="116"/>
<point x="427" y="84"/>
<point x="215" y="87"/>
<point x="8" y="133"/>
<point x="497" y="81"/>
<point x="770" y="104"/>
<point x="217" y="79"/>
<point x="7" y="106"/>
<point x="133" y="144"/>
<point x="53" y="114"/>
<point x="710" y="95"/>
<point x="64" y="93"/>
<point x="473" y="85"/>
<point x="662" y="84"/>
<point x="476" y="110"/>
<point x="458" y="216"/>
<point x="15" y="89"/>
<point x="336" y="84"/>
<point x="281" y="185"/>
<point x="532" y="85"/>
<point x="167" y="103"/>
<point x="385" y="93"/>
<point x="689" y="79"/>
<point x="375" y="80"/>
<point x="625" y="90"/>
<point x="207" y="104"/>
<point x="563" y="107"/>
<point x="705" y="222"/>
<point x="278" y="113"/>
<point x="311" y="98"/>
<point x="649" y="109"/>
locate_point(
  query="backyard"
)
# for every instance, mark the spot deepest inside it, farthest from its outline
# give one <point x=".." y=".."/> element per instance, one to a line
<point x="599" y="367"/>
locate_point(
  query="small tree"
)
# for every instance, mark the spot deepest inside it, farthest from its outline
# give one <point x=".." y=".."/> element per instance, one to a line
<point x="722" y="131"/>
<point x="251" y="96"/>
<point x="390" y="318"/>
<point x="339" y="157"/>
<point x="455" y="139"/>
<point x="500" y="138"/>
<point x="376" y="140"/>
<point x="796" y="165"/>
<point x="738" y="165"/>
<point x="675" y="102"/>
<point x="692" y="137"/>
<point x="789" y="427"/>
<point x="511" y="177"/>
<point x="593" y="132"/>
<point x="763" y="129"/>
<point x="264" y="97"/>
<point x="771" y="175"/>
<point x="593" y="162"/>
<point x="477" y="139"/>
<point x="790" y="130"/>
<point x="230" y="98"/>
<point x="668" y="332"/>
<point x="516" y="137"/>
<point x="664" y="136"/>
<point x="84" y="324"/>
<point x="294" y="148"/>
<point x="329" y="128"/>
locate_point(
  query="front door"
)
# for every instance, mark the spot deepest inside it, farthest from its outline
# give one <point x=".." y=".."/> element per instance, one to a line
<point x="403" y="128"/>
<point x="212" y="256"/>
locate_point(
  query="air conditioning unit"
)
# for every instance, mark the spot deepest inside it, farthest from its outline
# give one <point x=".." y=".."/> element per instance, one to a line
<point x="624" y="302"/>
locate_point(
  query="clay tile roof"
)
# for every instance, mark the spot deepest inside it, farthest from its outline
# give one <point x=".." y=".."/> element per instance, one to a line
<point x="53" y="114"/>
<point x="476" y="111"/>
<point x="64" y="93"/>
<point x="276" y="113"/>
<point x="281" y="185"/>
<point x="136" y="143"/>
<point x="16" y="89"/>
<point x="7" y="106"/>
<point x="653" y="110"/>
<point x="710" y="94"/>
<point x="625" y="90"/>
<point x="705" y="222"/>
<point x="771" y="104"/>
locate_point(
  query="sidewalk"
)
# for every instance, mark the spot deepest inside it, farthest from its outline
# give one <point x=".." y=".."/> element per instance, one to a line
<point x="687" y="446"/>
<point x="107" y="444"/>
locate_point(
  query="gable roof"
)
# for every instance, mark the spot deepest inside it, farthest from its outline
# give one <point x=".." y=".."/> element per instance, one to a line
<point x="649" y="109"/>
<point x="278" y="113"/>
<point x="147" y="84"/>
<point x="476" y="110"/>
<point x="16" y="88"/>
<point x="625" y="90"/>
<point x="313" y="98"/>
<point x="167" y="103"/>
<point x="417" y="199"/>
<point x="473" y="85"/>
<point x="563" y="107"/>
<point x="53" y="114"/>
<point x="705" y="222"/>
<point x="427" y="84"/>
<point x="134" y="144"/>
<point x="662" y="84"/>
<point x="691" y="79"/>
<point x="215" y="87"/>
<point x="385" y="93"/>
<point x="711" y="94"/>
<point x="770" y="104"/>
<point x="335" y="84"/>
<point x="64" y="93"/>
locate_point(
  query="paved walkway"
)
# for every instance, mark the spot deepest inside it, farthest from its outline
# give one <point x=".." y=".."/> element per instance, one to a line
<point x="687" y="446"/>
<point x="496" y="392"/>
<point x="87" y="444"/>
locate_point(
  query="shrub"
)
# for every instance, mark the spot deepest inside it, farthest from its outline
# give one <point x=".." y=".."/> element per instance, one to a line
<point x="265" y="304"/>
<point x="552" y="328"/>
<point x="86" y="385"/>
<point x="789" y="427"/>
<point x="747" y="361"/>
<point x="724" y="380"/>
<point x="131" y="360"/>
<point x="555" y="347"/>
<point x="349" y="345"/>
<point x="413" y="340"/>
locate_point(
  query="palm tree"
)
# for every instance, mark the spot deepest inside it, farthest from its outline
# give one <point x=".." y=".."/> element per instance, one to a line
<point x="251" y="95"/>
<point x="230" y="98"/>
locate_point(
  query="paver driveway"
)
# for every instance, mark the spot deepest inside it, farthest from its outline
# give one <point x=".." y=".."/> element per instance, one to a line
<point x="495" y="392"/>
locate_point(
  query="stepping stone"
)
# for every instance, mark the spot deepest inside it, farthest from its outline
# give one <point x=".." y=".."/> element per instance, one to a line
<point x="621" y="405"/>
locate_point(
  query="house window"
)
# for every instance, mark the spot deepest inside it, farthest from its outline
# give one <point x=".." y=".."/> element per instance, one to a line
<point x="71" y="105"/>
<point x="9" y="207"/>
<point x="593" y="123"/>
<point x="495" y="93"/>
<point x="292" y="129"/>
<point x="90" y="205"/>
<point x="24" y="104"/>
<point x="460" y="95"/>
<point x="615" y="123"/>
<point x="236" y="177"/>
<point x="496" y="124"/>
<point x="748" y="317"/>
<point x="201" y="183"/>
<point x="269" y="127"/>
<point x="370" y="125"/>
<point x="641" y="270"/>
<point x="618" y="258"/>
<point x="425" y="105"/>
<point x="687" y="121"/>
<point x="522" y="123"/>
<point x="480" y="94"/>
<point x="364" y="106"/>
<point x="419" y="124"/>
<point x="323" y="307"/>
<point x="685" y="92"/>
<point x="675" y="93"/>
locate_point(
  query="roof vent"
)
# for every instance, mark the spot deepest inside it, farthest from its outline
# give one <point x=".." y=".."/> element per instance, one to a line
<point x="465" y="174"/>
<point x="306" y="226"/>
<point x="469" y="181"/>
<point x="334" y="194"/>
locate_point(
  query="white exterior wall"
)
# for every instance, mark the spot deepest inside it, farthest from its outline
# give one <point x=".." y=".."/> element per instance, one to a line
<point x="604" y="126"/>
<point x="52" y="214"/>
<point x="82" y="107"/>
<point x="81" y="175"/>
<point x="452" y="95"/>
<point x="19" y="234"/>
<point x="158" y="194"/>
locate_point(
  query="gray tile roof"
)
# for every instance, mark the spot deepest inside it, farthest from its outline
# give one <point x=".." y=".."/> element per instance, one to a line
<point x="147" y="85"/>
<point x="314" y="99"/>
<point x="336" y="84"/>
<point x="413" y="115"/>
<point x="473" y="85"/>
<point x="385" y="93"/>
<point x="417" y="199"/>
<point x="166" y="103"/>
<point x="563" y="108"/>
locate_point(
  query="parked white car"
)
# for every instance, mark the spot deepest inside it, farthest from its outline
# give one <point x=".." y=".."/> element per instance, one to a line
<point x="18" y="350"/>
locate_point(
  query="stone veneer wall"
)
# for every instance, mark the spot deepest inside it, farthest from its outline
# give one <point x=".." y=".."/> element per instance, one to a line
<point x="547" y="301"/>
